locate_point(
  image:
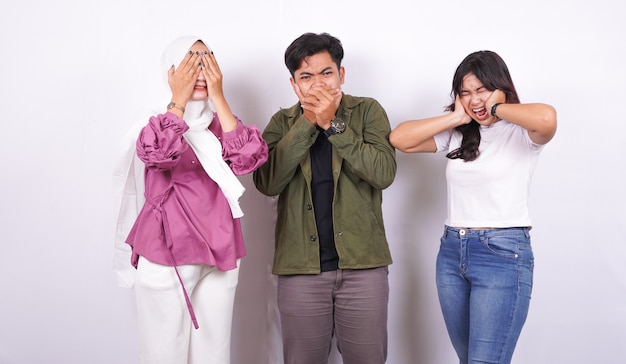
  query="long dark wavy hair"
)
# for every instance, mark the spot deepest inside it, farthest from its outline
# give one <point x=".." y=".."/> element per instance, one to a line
<point x="491" y="70"/>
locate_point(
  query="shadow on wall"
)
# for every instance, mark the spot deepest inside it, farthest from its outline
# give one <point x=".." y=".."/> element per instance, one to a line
<point x="413" y="205"/>
<point x="255" y="331"/>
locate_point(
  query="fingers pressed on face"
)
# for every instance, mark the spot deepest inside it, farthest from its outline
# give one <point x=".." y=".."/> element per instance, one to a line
<point x="196" y="70"/>
<point x="191" y="62"/>
<point x="322" y="94"/>
<point x="498" y="96"/>
<point x="297" y="90"/>
<point x="184" y="62"/>
<point x="457" y="102"/>
<point x="210" y="60"/>
<point x="208" y="68"/>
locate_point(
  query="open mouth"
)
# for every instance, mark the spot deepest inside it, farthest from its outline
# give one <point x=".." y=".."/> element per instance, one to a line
<point x="480" y="112"/>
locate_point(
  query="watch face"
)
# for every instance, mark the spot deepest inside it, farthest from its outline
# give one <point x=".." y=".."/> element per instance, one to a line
<point x="338" y="124"/>
<point x="170" y="105"/>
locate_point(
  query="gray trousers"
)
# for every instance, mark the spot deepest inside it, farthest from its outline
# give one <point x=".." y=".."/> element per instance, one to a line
<point x="351" y="304"/>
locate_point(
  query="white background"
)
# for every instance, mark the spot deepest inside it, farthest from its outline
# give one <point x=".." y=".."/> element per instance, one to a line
<point x="76" y="74"/>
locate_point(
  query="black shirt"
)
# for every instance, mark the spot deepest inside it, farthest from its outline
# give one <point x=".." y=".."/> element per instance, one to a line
<point x="322" y="188"/>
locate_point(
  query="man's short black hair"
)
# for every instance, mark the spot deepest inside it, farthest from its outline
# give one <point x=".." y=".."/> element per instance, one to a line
<point x="309" y="44"/>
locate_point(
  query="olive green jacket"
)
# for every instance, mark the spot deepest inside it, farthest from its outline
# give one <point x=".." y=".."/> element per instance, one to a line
<point x="363" y="164"/>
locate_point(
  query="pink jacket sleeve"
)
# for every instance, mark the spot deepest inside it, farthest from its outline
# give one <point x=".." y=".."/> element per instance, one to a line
<point x="161" y="141"/>
<point x="243" y="148"/>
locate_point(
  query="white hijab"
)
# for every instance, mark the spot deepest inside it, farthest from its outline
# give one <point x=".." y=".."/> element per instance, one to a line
<point x="128" y="174"/>
<point x="204" y="143"/>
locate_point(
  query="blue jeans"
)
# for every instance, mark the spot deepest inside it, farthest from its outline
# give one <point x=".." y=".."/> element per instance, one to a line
<point x="484" y="282"/>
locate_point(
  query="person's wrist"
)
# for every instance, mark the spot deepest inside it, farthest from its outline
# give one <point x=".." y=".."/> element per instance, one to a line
<point x="494" y="107"/>
<point x="217" y="99"/>
<point x="337" y="126"/>
<point x="176" y="105"/>
<point x="458" y="118"/>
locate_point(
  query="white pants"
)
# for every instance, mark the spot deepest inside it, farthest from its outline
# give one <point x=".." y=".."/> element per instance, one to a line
<point x="166" y="332"/>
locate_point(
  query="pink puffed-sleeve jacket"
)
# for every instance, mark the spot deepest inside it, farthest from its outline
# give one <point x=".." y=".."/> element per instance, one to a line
<point x="185" y="218"/>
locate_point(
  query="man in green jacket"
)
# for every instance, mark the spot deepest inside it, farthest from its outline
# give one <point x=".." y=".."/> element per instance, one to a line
<point x="329" y="160"/>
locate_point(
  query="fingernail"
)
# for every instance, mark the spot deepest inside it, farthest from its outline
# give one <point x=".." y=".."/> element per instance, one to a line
<point x="190" y="52"/>
<point x="197" y="53"/>
<point x="205" y="52"/>
<point x="211" y="52"/>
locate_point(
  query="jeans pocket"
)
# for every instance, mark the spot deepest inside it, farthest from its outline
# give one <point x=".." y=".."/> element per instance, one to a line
<point x="503" y="246"/>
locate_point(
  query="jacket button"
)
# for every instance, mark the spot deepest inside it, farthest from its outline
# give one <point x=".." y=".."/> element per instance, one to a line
<point x="309" y="207"/>
<point x="312" y="238"/>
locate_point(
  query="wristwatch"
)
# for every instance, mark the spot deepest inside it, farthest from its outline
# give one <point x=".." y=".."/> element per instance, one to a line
<point x="172" y="105"/>
<point x="493" y="109"/>
<point x="337" y="126"/>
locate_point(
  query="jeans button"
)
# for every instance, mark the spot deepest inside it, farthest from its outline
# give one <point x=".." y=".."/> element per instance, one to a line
<point x="462" y="232"/>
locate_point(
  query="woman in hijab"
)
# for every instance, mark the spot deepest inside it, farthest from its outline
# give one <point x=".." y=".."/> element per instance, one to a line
<point x="186" y="242"/>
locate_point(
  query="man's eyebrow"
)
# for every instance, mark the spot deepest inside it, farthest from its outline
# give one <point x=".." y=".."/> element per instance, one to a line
<point x="307" y="73"/>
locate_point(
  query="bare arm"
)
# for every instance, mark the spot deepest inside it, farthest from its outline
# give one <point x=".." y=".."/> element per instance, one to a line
<point x="538" y="119"/>
<point x="417" y="136"/>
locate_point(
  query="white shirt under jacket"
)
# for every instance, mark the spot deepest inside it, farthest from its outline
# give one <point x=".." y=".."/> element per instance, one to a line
<point x="491" y="191"/>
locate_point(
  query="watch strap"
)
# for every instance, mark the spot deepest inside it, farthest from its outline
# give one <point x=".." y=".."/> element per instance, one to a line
<point x="330" y="131"/>
<point x="493" y="109"/>
<point x="172" y="105"/>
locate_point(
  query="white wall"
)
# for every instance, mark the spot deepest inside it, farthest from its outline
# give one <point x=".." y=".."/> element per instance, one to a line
<point x="76" y="74"/>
